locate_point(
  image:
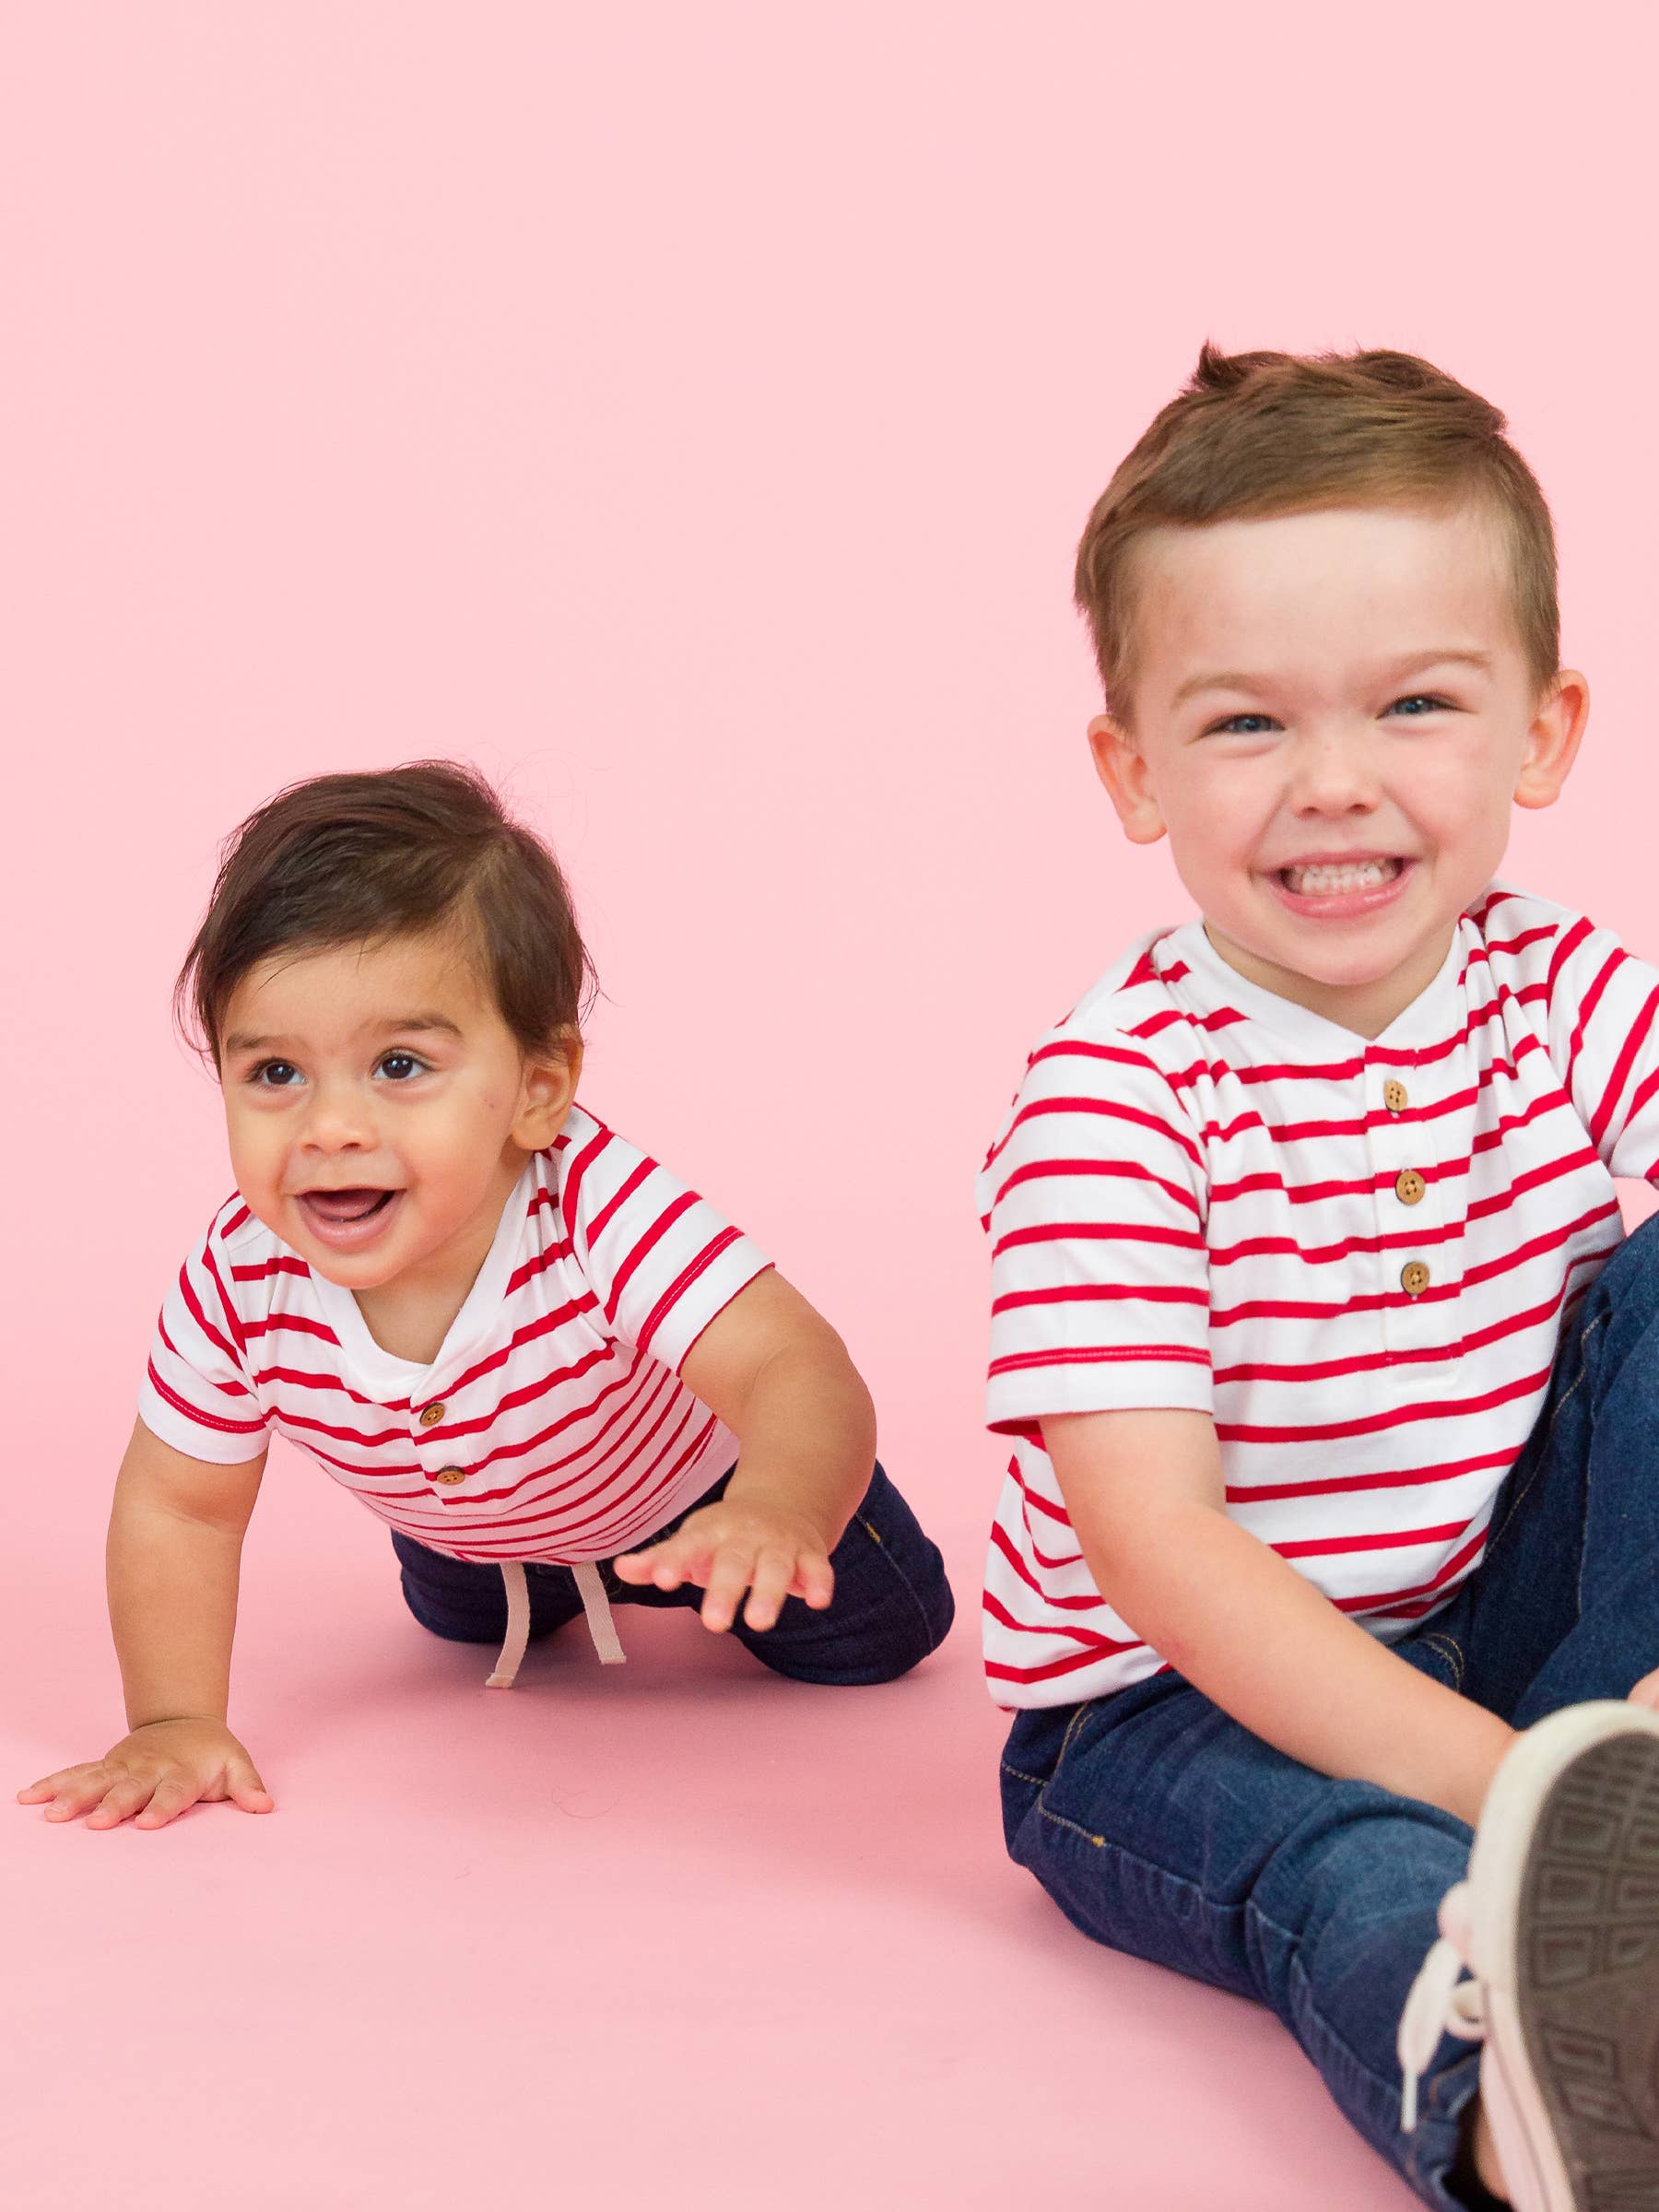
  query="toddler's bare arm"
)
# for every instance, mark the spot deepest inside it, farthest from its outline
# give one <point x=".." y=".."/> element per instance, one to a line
<point x="173" y="1562"/>
<point x="1145" y="1496"/>
<point x="780" y="1379"/>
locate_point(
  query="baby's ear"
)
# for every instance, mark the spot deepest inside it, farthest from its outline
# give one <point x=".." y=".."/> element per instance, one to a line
<point x="547" y="1088"/>
<point x="1121" y="767"/>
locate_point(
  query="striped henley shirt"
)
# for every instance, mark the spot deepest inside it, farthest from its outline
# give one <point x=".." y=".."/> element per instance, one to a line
<point x="1356" y="1254"/>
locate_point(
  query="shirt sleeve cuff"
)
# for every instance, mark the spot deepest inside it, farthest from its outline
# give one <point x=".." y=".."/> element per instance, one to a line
<point x="1017" y="1399"/>
<point x="222" y="1443"/>
<point x="705" y="1289"/>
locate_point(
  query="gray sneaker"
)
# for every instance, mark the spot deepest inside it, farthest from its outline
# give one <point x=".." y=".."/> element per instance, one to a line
<point x="1557" y="1929"/>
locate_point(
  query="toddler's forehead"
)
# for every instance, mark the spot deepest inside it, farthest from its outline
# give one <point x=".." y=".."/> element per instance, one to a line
<point x="1329" y="585"/>
<point x="436" y="971"/>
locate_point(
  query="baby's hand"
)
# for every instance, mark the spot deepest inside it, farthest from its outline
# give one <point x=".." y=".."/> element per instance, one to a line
<point x="734" y="1546"/>
<point x="152" y="1776"/>
<point x="1646" y="1691"/>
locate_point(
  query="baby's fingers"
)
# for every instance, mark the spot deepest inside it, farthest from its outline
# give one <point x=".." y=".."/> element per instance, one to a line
<point x="69" y="1793"/>
<point x="814" y="1579"/>
<point x="668" y="1564"/>
<point x="245" y="1789"/>
<point x="125" y="1797"/>
<point x="729" y="1578"/>
<point x="173" y="1794"/>
<point x="774" y="1576"/>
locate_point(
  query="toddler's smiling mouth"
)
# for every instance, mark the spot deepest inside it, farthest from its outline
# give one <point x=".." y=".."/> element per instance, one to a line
<point x="347" y="1216"/>
<point x="1341" y="889"/>
<point x="1329" y="878"/>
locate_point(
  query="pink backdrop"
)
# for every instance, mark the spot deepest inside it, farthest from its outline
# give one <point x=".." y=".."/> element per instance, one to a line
<point x="688" y="414"/>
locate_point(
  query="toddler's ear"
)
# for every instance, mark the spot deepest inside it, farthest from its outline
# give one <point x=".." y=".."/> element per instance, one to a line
<point x="1121" y="768"/>
<point x="1552" y="742"/>
<point x="548" y="1087"/>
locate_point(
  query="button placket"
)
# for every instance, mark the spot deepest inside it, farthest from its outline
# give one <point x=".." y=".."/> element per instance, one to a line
<point x="1408" y="1204"/>
<point x="435" y="1455"/>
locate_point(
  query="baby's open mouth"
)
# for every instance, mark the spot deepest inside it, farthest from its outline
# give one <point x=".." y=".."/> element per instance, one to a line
<point x="356" y="1205"/>
<point x="1330" y="879"/>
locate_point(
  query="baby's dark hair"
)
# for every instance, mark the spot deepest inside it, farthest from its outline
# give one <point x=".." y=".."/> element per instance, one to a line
<point x="399" y="852"/>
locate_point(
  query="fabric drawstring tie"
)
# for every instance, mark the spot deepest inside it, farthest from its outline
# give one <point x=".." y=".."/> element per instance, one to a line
<point x="595" y="1603"/>
<point x="1441" y="2003"/>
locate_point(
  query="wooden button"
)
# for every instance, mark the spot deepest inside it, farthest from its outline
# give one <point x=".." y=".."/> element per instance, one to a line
<point x="431" y="1415"/>
<point x="1414" y="1280"/>
<point x="1410" y="1187"/>
<point x="449" y="1477"/>
<point x="1394" y="1095"/>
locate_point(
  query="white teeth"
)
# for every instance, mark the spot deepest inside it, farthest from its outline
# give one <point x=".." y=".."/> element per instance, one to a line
<point x="1327" y="879"/>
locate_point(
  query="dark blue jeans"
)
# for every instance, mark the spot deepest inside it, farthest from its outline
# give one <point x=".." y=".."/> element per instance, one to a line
<point x="892" y="1604"/>
<point x="1162" y="1828"/>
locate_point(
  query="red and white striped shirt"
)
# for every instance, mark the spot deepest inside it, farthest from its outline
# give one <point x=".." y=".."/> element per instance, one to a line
<point x="553" y="1424"/>
<point x="1356" y="1255"/>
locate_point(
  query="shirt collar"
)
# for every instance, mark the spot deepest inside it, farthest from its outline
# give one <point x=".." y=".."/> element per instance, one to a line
<point x="1428" y="1020"/>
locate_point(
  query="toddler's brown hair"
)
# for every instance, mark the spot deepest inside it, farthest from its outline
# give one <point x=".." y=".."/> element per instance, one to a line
<point x="349" y="859"/>
<point x="1259" y="434"/>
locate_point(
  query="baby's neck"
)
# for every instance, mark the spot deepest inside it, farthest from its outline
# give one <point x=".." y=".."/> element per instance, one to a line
<point x="411" y="1315"/>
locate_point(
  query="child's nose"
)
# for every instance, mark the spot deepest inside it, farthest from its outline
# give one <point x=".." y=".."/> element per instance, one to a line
<point x="339" y="1120"/>
<point x="1333" y="773"/>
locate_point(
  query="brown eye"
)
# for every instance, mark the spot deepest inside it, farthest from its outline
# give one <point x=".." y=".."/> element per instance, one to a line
<point x="401" y="1066"/>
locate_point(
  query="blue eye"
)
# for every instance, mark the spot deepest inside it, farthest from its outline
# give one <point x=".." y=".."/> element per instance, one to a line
<point x="1235" y="724"/>
<point x="401" y="1067"/>
<point x="275" y="1075"/>
<point x="1420" y="702"/>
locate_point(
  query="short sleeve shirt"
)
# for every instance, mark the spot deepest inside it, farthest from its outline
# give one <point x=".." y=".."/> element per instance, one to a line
<point x="1356" y="1255"/>
<point x="553" y="1425"/>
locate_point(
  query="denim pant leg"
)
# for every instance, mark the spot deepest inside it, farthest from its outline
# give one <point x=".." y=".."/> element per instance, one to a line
<point x="1161" y="1827"/>
<point x="466" y="1601"/>
<point x="1565" y="1604"/>
<point x="891" y="1606"/>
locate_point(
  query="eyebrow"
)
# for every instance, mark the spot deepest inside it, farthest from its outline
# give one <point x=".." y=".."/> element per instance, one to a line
<point x="240" y="1040"/>
<point x="1235" y="680"/>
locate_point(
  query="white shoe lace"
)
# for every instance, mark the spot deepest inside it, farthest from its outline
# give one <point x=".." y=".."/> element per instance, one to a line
<point x="1441" y="2003"/>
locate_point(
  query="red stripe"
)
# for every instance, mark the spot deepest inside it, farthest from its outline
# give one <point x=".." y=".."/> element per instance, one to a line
<point x="1087" y="1602"/>
<point x="1100" y="1646"/>
<point x="1127" y="1169"/>
<point x="1375" y="1424"/>
<point x="1081" y="1356"/>
<point x="1393" y="1539"/>
<point x="1103" y="1109"/>
<point x="596" y="1226"/>
<point x="226" y="1390"/>
<point x="575" y="1169"/>
<point x="1370" y="1302"/>
<point x="1634" y="1040"/>
<point x="1169" y="1294"/>
<point x="194" y="1413"/>
<point x="1315" y="1371"/>
<point x="1127" y="1232"/>
<point x="647" y="1244"/>
<point x="1382" y="1479"/>
<point x="295" y="1325"/>
<point x="539" y="1266"/>
<point x="1587" y="1006"/>
<point x="683" y="1282"/>
<point x="1564" y="950"/>
<point x="193" y="1306"/>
